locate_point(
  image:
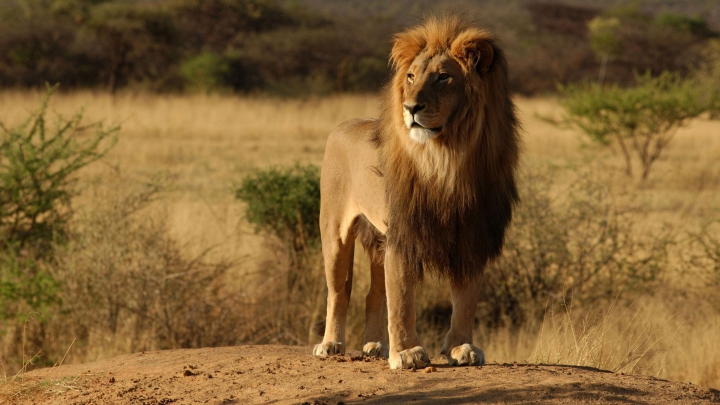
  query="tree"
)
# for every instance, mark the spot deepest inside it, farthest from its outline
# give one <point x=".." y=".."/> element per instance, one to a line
<point x="138" y="42"/>
<point x="641" y="120"/>
<point x="603" y="35"/>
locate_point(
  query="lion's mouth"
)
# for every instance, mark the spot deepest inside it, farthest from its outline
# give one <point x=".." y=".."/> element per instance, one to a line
<point x="416" y="125"/>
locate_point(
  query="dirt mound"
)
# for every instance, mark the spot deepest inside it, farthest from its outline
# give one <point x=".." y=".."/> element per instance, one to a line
<point x="291" y="375"/>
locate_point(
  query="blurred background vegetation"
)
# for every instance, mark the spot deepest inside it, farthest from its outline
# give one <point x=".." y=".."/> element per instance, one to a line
<point x="294" y="47"/>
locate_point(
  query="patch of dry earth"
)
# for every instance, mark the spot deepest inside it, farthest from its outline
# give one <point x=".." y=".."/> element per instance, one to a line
<point x="291" y="375"/>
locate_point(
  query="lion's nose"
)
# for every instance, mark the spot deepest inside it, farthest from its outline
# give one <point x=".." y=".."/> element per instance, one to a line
<point x="414" y="108"/>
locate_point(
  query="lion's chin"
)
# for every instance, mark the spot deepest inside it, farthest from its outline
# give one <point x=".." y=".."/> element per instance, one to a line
<point x="422" y="135"/>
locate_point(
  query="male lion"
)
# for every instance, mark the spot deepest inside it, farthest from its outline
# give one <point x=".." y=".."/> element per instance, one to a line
<point x="427" y="187"/>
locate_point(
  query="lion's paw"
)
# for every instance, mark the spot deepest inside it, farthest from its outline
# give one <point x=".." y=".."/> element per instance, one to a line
<point x="465" y="355"/>
<point x="328" y="349"/>
<point x="375" y="349"/>
<point x="410" y="358"/>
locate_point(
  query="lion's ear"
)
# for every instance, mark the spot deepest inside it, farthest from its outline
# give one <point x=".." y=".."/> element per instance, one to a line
<point x="474" y="51"/>
<point x="406" y="47"/>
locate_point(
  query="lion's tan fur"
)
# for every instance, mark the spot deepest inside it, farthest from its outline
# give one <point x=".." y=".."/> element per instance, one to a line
<point x="440" y="205"/>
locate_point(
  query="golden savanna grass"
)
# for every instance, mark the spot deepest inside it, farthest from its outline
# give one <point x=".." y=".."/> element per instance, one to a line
<point x="203" y="144"/>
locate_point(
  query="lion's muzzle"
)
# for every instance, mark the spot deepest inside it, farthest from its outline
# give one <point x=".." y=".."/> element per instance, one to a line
<point x="414" y="120"/>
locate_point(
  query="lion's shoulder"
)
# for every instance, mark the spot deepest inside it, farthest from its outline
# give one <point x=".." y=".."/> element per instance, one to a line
<point x="355" y="131"/>
<point x="352" y="141"/>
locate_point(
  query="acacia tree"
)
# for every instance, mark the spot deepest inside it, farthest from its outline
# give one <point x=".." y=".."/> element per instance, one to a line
<point x="642" y="120"/>
<point x="39" y="161"/>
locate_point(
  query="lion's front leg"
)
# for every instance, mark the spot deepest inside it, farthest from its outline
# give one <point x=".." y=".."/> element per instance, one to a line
<point x="405" y="348"/>
<point x="458" y="347"/>
<point x="338" y="273"/>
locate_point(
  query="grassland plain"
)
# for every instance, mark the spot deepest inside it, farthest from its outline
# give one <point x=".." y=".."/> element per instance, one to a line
<point x="204" y="143"/>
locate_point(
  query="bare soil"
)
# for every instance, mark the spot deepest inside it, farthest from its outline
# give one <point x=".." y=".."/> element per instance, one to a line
<point x="291" y="375"/>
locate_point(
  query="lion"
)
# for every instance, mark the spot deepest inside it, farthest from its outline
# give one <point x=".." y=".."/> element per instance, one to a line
<point x="428" y="187"/>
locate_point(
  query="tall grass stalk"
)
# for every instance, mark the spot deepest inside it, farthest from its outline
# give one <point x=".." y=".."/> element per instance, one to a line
<point x="619" y="338"/>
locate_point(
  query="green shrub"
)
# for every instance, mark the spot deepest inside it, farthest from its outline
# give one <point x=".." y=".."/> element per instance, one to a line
<point x="284" y="202"/>
<point x="204" y="72"/>
<point x="25" y="285"/>
<point x="38" y="165"/>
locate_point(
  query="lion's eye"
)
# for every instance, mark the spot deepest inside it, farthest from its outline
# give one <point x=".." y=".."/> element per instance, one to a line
<point x="443" y="77"/>
<point x="410" y="77"/>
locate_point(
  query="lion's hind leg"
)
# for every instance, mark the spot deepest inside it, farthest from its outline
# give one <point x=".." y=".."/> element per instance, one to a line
<point x="375" y="340"/>
<point x="458" y="348"/>
<point x="465" y="355"/>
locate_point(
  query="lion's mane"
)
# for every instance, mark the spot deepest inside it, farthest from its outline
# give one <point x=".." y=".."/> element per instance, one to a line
<point x="450" y="200"/>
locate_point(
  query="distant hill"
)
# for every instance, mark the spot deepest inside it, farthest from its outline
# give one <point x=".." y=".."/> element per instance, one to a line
<point x="410" y="11"/>
<point x="299" y="47"/>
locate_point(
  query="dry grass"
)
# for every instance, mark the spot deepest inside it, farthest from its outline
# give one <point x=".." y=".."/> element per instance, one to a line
<point x="204" y="143"/>
<point x="18" y="387"/>
<point x="14" y="390"/>
<point x="627" y="339"/>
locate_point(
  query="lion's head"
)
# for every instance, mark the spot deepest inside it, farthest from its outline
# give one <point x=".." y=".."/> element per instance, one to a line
<point x="448" y="142"/>
<point x="438" y="70"/>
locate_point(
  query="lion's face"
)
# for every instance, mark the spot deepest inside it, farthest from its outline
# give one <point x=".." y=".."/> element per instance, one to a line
<point x="441" y="77"/>
<point x="433" y="90"/>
